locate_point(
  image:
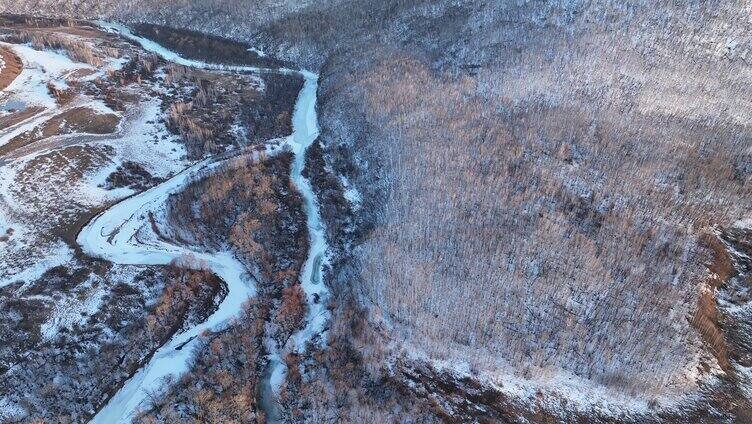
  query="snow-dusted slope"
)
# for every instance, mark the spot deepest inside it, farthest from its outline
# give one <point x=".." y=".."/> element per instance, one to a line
<point x="41" y="67"/>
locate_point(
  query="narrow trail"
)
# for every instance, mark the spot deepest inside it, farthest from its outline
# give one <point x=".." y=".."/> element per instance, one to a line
<point x="123" y="234"/>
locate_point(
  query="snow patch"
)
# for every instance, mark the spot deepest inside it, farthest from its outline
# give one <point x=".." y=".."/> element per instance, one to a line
<point x="10" y="411"/>
<point x="33" y="268"/>
<point x="351" y="193"/>
<point x="259" y="52"/>
<point x="158" y="151"/>
<point x="744" y="223"/>
<point x="72" y="311"/>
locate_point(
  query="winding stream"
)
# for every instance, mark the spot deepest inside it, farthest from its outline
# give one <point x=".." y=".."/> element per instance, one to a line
<point x="122" y="234"/>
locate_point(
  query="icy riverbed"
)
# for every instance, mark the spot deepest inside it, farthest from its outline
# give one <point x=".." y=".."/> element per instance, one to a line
<point x="123" y="234"/>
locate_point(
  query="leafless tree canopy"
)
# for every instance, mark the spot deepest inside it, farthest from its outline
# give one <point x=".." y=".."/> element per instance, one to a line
<point x="555" y="237"/>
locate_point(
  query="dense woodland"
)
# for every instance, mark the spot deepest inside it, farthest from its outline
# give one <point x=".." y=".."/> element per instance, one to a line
<point x="578" y="254"/>
<point x="539" y="208"/>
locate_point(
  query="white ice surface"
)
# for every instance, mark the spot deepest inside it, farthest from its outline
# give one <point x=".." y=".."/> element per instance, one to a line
<point x="305" y="132"/>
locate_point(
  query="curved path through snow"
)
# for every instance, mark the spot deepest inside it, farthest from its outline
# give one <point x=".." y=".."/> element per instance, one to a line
<point x="123" y="234"/>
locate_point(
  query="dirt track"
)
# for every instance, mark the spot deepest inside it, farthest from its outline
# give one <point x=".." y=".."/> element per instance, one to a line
<point x="11" y="69"/>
